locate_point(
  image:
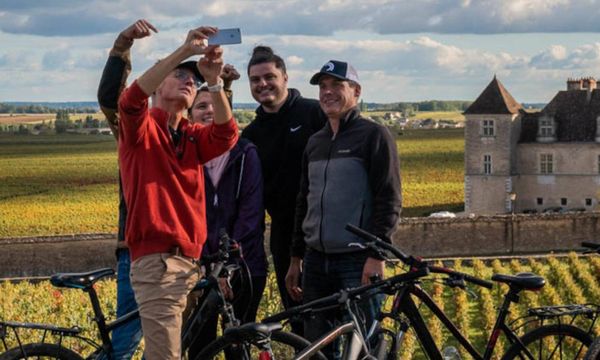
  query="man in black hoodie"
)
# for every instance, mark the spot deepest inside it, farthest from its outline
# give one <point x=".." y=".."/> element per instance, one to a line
<point x="284" y="122"/>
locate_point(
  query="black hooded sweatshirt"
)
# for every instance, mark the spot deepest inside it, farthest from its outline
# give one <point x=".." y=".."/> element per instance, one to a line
<point x="280" y="138"/>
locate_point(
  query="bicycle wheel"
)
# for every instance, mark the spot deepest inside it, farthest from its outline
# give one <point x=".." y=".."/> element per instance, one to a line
<point x="593" y="352"/>
<point x="283" y="344"/>
<point x="40" y="351"/>
<point x="551" y="342"/>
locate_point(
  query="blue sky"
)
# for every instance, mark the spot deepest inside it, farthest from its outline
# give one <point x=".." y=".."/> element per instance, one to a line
<point x="403" y="50"/>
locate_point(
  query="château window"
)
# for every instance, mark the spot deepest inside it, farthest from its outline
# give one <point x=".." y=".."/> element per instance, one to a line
<point x="540" y="201"/>
<point x="588" y="202"/>
<point x="563" y="201"/>
<point x="546" y="128"/>
<point x="488" y="128"/>
<point x="546" y="164"/>
<point x="487" y="164"/>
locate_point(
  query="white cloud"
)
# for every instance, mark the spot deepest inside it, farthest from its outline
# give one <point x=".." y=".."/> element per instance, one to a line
<point x="294" y="60"/>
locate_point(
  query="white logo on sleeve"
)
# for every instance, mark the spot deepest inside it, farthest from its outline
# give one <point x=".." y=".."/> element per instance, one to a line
<point x="295" y="128"/>
<point x="329" y="66"/>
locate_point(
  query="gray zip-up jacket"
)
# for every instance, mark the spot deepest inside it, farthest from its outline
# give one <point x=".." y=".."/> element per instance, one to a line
<point x="352" y="177"/>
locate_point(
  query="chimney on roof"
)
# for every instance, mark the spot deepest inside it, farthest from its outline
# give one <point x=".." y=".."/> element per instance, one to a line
<point x="574" y="84"/>
<point x="587" y="83"/>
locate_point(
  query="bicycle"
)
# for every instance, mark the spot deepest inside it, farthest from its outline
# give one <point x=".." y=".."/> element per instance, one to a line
<point x="558" y="339"/>
<point x="211" y="300"/>
<point x="563" y="339"/>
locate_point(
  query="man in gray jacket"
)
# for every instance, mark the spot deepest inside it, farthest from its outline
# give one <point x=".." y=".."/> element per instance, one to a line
<point x="351" y="167"/>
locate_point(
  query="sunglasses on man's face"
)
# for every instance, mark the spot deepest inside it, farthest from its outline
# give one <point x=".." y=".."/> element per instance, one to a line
<point x="183" y="75"/>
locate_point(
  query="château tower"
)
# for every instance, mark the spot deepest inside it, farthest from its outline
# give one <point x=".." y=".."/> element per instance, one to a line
<point x="492" y="130"/>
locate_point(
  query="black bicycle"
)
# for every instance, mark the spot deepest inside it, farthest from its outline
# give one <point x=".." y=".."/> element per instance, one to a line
<point x="554" y="334"/>
<point x="211" y="300"/>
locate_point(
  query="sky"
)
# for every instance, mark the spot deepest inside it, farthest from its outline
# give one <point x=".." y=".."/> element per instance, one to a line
<point x="409" y="50"/>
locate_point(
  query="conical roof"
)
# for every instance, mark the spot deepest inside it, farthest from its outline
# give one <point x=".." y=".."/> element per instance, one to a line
<point x="495" y="99"/>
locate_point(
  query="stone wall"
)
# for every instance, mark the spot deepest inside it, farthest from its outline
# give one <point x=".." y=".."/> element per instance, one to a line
<point x="427" y="237"/>
<point x="497" y="235"/>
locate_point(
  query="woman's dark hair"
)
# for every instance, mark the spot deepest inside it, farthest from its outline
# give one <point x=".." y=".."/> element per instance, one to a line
<point x="264" y="54"/>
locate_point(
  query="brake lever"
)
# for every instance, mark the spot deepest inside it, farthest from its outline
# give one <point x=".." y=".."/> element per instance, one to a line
<point x="358" y="245"/>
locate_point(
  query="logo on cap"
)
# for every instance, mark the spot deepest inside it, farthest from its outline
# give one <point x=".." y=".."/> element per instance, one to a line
<point x="329" y="66"/>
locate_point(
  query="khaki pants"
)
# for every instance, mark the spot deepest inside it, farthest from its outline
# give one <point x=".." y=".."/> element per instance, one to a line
<point x="161" y="283"/>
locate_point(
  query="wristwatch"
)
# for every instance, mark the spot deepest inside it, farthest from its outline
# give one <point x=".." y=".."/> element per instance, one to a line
<point x="216" y="87"/>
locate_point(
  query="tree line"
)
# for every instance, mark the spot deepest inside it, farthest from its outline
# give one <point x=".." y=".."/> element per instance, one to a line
<point x="429" y="105"/>
<point x="7" y="108"/>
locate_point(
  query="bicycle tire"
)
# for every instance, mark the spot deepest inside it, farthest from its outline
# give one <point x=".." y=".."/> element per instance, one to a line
<point x="593" y="352"/>
<point x="40" y="351"/>
<point x="283" y="344"/>
<point x="552" y="342"/>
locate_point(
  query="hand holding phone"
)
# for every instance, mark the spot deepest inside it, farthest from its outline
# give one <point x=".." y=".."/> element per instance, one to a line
<point x="226" y="37"/>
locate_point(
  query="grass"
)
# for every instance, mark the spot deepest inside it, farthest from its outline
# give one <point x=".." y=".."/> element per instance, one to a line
<point x="68" y="184"/>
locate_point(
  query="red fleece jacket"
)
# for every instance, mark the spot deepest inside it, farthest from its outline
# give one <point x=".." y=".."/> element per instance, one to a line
<point x="164" y="185"/>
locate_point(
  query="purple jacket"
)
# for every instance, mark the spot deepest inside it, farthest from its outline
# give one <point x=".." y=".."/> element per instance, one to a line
<point x="237" y="205"/>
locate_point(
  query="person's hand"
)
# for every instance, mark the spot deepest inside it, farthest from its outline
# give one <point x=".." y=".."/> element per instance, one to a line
<point x="139" y="29"/>
<point x="292" y="279"/>
<point x="196" y="41"/>
<point x="225" y="289"/>
<point x="371" y="268"/>
<point x="211" y="65"/>
<point x="229" y="75"/>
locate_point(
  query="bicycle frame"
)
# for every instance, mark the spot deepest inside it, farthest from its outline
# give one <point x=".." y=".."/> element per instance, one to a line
<point x="404" y="304"/>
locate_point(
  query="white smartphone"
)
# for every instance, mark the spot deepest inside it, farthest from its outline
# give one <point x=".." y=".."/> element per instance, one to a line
<point x="226" y="37"/>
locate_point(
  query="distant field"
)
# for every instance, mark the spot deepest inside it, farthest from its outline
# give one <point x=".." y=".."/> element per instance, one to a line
<point x="68" y="184"/>
<point x="432" y="170"/>
<point x="6" y="119"/>
<point x="421" y="115"/>
<point x="440" y="115"/>
<point x="15" y="119"/>
<point x="57" y="185"/>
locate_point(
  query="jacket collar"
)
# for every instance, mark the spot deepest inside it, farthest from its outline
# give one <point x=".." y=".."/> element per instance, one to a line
<point x="347" y="120"/>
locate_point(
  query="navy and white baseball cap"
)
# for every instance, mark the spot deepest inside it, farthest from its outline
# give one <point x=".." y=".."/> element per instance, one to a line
<point x="338" y="69"/>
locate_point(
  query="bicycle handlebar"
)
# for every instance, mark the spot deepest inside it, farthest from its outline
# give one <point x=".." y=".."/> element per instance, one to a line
<point x="227" y="247"/>
<point x="591" y="245"/>
<point x="341" y="296"/>
<point x="413" y="261"/>
<point x="409" y="260"/>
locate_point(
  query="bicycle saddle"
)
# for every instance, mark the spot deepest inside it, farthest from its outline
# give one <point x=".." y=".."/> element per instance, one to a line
<point x="522" y="281"/>
<point x="252" y="329"/>
<point x="80" y="280"/>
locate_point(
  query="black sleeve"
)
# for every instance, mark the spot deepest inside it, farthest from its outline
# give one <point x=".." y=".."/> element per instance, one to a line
<point x="384" y="180"/>
<point x="111" y="82"/>
<point x="298" y="244"/>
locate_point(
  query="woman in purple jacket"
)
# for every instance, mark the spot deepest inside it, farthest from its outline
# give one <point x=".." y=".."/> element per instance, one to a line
<point x="234" y="201"/>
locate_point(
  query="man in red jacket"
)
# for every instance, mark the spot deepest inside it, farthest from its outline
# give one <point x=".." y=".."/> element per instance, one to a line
<point x="160" y="156"/>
